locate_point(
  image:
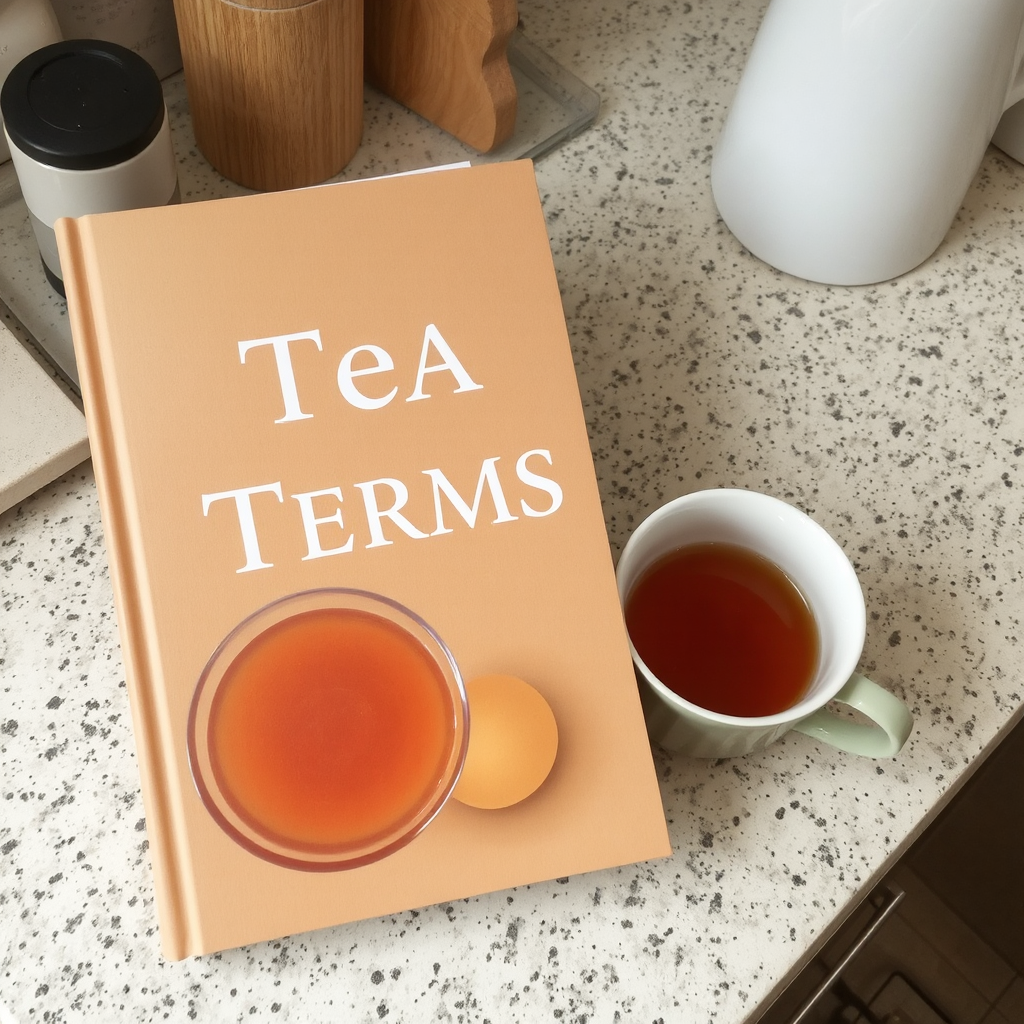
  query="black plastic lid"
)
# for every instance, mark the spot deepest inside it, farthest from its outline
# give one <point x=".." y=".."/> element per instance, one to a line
<point x="82" y="104"/>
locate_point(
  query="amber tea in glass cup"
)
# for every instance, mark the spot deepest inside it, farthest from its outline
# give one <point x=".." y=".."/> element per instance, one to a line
<point x="328" y="729"/>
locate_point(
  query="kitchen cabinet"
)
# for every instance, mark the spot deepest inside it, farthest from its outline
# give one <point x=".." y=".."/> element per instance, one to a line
<point x="941" y="939"/>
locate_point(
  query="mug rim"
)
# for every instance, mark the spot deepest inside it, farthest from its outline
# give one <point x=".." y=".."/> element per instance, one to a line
<point x="809" y="703"/>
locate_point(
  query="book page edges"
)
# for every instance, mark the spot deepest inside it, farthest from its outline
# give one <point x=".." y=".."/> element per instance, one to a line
<point x="172" y="870"/>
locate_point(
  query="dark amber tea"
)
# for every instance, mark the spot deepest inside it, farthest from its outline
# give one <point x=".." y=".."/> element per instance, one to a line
<point x="724" y="628"/>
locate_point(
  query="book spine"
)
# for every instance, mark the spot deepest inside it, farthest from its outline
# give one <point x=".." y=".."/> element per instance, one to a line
<point x="176" y="905"/>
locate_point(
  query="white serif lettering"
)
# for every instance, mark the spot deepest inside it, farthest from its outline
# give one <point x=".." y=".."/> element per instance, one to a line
<point x="243" y="506"/>
<point x="449" y="362"/>
<point x="285" y="370"/>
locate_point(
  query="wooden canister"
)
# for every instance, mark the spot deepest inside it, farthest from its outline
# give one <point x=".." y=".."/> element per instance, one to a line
<point x="275" y="87"/>
<point x="448" y="61"/>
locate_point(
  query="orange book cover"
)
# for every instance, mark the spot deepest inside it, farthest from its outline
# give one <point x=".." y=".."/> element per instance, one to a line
<point x="359" y="389"/>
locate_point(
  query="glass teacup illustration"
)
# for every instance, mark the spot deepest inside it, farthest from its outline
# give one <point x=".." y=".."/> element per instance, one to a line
<point x="328" y="729"/>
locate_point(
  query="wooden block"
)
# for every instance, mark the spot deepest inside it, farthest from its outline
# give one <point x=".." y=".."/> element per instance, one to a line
<point x="447" y="60"/>
<point x="275" y="90"/>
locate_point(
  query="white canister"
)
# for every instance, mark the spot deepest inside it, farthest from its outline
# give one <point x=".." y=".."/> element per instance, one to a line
<point x="88" y="133"/>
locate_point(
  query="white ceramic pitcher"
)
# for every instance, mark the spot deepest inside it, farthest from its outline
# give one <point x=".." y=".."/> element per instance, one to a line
<point x="858" y="126"/>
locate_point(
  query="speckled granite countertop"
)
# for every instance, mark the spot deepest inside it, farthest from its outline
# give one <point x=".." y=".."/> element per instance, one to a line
<point x="891" y="413"/>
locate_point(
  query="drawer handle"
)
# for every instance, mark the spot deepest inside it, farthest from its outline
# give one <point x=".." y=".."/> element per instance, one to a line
<point x="891" y="898"/>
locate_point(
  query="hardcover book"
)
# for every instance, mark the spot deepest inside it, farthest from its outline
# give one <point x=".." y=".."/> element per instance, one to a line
<point x="347" y="491"/>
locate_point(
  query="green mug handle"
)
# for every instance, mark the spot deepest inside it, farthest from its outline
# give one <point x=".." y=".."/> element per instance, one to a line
<point x="885" y="738"/>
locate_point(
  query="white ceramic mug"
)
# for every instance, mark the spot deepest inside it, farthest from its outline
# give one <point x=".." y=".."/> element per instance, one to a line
<point x="816" y="564"/>
<point x="858" y="126"/>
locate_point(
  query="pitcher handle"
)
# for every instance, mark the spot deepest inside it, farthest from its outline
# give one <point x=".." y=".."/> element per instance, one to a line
<point x="1016" y="91"/>
<point x="891" y="721"/>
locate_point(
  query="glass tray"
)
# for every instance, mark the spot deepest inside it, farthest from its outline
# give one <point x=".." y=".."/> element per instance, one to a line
<point x="553" y="105"/>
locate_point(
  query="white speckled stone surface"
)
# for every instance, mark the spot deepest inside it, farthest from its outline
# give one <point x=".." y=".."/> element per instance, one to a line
<point x="891" y="413"/>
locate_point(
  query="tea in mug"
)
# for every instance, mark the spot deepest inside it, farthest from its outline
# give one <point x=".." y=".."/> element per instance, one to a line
<point x="330" y="729"/>
<point x="724" y="628"/>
